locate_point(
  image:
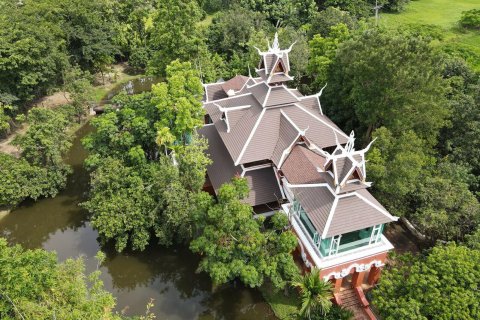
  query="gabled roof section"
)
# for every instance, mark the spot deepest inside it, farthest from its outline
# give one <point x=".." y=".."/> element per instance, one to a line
<point x="214" y="91"/>
<point x="356" y="211"/>
<point x="346" y="164"/>
<point x="333" y="214"/>
<point x="274" y="64"/>
<point x="263" y="186"/>
<point x="303" y="166"/>
<point x="321" y="130"/>
<point x="262" y="182"/>
<point x="222" y="169"/>
<point x="287" y="136"/>
<point x="260" y="91"/>
<point x="234" y="84"/>
<point x="279" y="95"/>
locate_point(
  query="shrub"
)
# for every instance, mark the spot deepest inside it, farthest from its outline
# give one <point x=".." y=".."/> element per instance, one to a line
<point x="470" y="19"/>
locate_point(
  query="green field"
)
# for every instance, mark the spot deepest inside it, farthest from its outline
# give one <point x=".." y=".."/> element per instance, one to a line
<point x="442" y="13"/>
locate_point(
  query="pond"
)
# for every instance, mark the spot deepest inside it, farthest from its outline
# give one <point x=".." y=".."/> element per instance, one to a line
<point x="166" y="275"/>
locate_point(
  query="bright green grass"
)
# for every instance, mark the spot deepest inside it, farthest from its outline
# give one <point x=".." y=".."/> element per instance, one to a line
<point x="442" y="13"/>
<point x="284" y="307"/>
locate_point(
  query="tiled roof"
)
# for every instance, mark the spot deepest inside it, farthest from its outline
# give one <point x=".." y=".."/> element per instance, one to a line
<point x="235" y="84"/>
<point x="301" y="166"/>
<point x="286" y="137"/>
<point x="263" y="186"/>
<point x="222" y="168"/>
<point x="214" y="92"/>
<point x="280" y="95"/>
<point x="354" y="211"/>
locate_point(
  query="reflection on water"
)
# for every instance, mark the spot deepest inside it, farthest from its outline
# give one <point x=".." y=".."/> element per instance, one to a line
<point x="133" y="86"/>
<point x="166" y="275"/>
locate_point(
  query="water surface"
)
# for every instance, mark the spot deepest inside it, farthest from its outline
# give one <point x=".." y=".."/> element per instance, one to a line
<point x="166" y="275"/>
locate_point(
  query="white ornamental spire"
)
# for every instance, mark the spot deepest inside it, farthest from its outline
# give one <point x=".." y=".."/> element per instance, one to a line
<point x="276" y="46"/>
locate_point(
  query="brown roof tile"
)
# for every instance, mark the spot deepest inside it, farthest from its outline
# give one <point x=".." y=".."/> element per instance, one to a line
<point x="301" y="166"/>
<point x="286" y="136"/>
<point x="222" y="169"/>
<point x="263" y="186"/>
<point x="235" y="84"/>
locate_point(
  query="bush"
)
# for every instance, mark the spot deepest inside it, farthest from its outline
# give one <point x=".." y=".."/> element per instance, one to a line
<point x="470" y="19"/>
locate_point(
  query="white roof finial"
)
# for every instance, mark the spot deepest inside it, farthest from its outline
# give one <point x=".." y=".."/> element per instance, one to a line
<point x="349" y="147"/>
<point x="276" y="45"/>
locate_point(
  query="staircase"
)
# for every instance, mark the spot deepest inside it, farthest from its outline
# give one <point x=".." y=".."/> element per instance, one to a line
<point x="349" y="299"/>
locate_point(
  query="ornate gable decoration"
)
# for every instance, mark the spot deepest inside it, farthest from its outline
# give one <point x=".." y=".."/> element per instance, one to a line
<point x="346" y="164"/>
<point x="274" y="64"/>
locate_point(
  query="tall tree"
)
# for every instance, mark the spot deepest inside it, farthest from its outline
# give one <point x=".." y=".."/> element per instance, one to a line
<point x="34" y="286"/>
<point x="175" y="34"/>
<point x="234" y="245"/>
<point x="178" y="101"/>
<point x="386" y="78"/>
<point x="441" y="285"/>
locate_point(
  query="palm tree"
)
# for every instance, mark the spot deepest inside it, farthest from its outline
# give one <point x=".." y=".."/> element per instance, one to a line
<point x="314" y="292"/>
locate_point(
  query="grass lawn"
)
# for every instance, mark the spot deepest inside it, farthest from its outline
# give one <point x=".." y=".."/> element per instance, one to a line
<point x="284" y="307"/>
<point x="442" y="13"/>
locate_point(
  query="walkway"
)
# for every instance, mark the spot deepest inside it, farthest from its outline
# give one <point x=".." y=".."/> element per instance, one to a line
<point x="350" y="300"/>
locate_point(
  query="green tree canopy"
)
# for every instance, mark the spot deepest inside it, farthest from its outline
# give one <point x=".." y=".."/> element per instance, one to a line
<point x="234" y="245"/>
<point x="441" y="285"/>
<point x="175" y="34"/>
<point x="386" y="78"/>
<point x="34" y="286"/>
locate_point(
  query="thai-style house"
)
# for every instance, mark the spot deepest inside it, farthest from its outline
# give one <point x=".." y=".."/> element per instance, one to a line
<point x="297" y="160"/>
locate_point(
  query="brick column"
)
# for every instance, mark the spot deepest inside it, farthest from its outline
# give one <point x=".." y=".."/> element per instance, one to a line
<point x="337" y="284"/>
<point x="374" y="275"/>
<point x="357" y="279"/>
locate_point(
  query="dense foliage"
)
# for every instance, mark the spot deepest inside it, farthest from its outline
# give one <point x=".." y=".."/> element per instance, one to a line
<point x="440" y="285"/>
<point x="34" y="286"/>
<point x="471" y="19"/>
<point x="147" y="164"/>
<point x="234" y="245"/>
<point x="40" y="171"/>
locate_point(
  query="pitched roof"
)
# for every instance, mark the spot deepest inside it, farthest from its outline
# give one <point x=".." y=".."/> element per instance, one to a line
<point x="262" y="182"/>
<point x="222" y="169"/>
<point x="333" y="215"/>
<point x="301" y="166"/>
<point x="235" y="84"/>
<point x="287" y="135"/>
<point x="279" y="95"/>
<point x="214" y="91"/>
<point x="263" y="186"/>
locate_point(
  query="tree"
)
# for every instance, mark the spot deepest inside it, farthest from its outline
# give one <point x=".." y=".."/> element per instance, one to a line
<point x="175" y="34"/>
<point x="45" y="143"/>
<point x="33" y="52"/>
<point x="357" y="8"/>
<point x="178" y="101"/>
<point x="79" y="86"/>
<point x="396" y="165"/>
<point x="322" y="52"/>
<point x="234" y="245"/>
<point x="470" y="19"/>
<point x="34" y="286"/>
<point x="231" y="30"/>
<point x="461" y="140"/>
<point x="441" y="285"/>
<point x="316" y="293"/>
<point x="290" y="12"/>
<point x="20" y="180"/>
<point x="386" y="78"/>
<point x="331" y="16"/>
<point x="447" y="210"/>
<point x="90" y="31"/>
